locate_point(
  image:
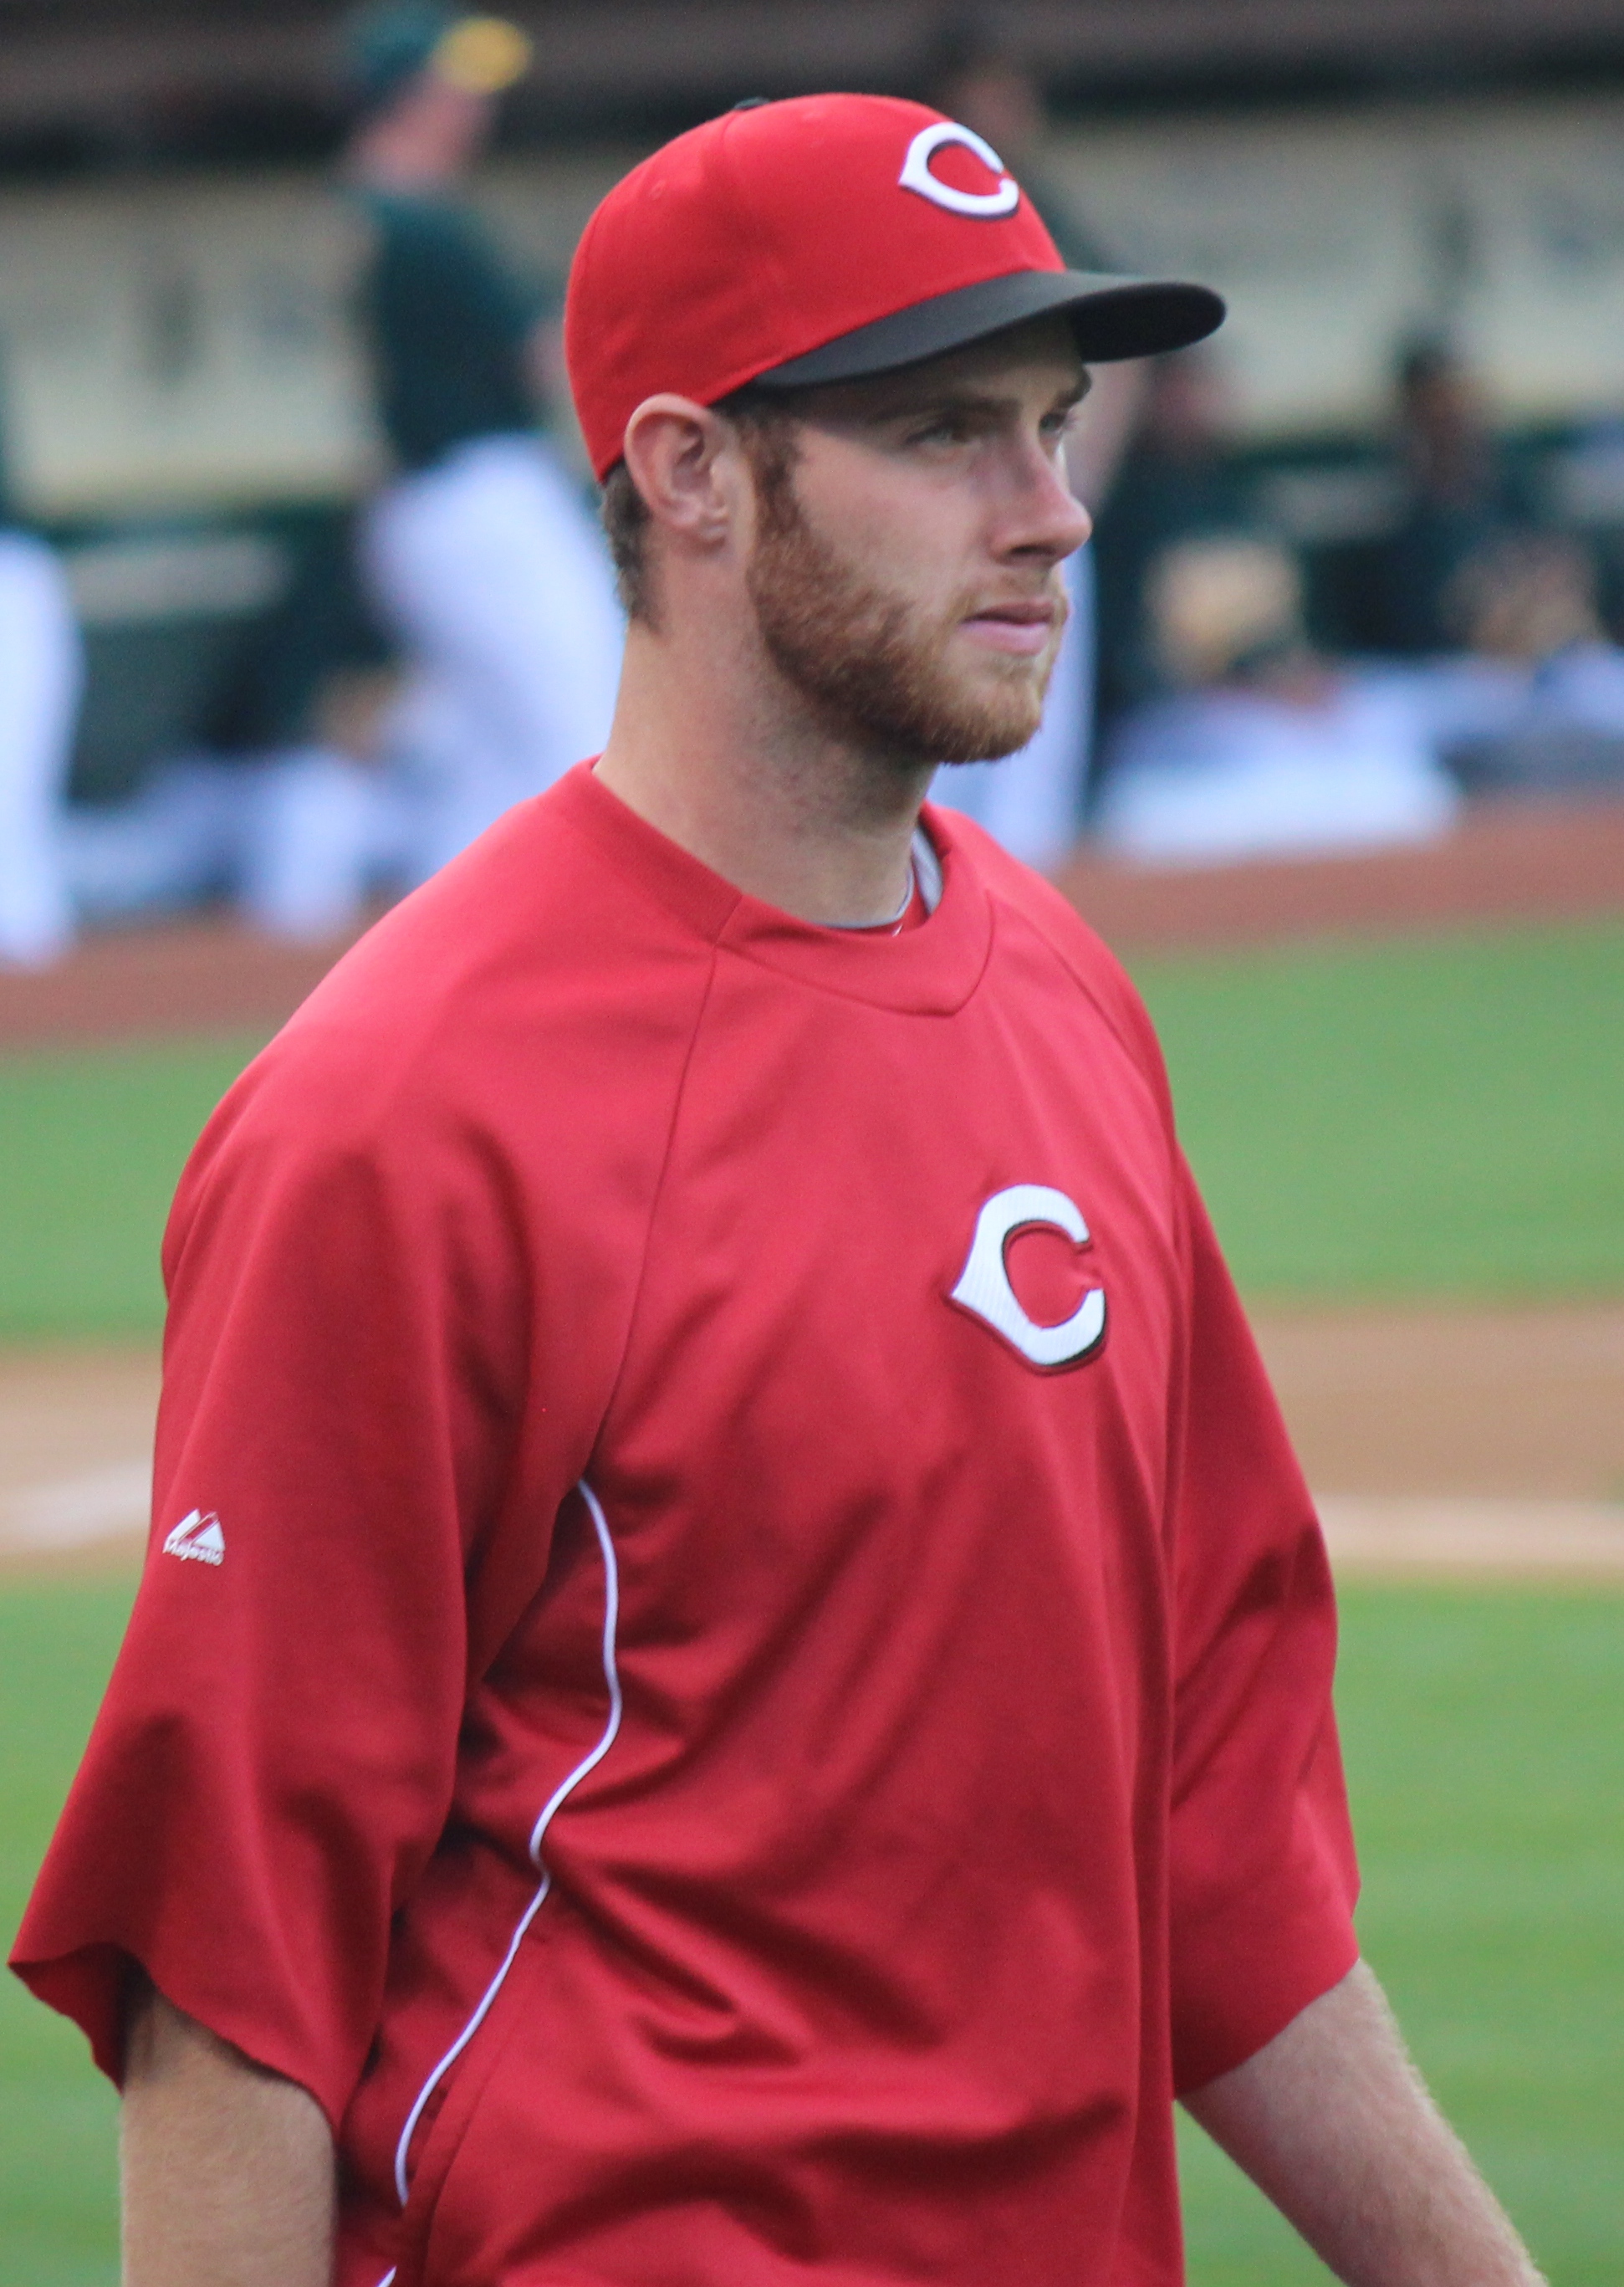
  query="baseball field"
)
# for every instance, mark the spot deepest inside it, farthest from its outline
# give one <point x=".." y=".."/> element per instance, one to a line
<point x="1412" y="1147"/>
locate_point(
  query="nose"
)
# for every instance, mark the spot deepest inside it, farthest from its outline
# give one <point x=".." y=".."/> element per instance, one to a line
<point x="1046" y="517"/>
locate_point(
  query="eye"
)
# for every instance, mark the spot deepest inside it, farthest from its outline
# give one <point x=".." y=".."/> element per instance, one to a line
<point x="941" y="429"/>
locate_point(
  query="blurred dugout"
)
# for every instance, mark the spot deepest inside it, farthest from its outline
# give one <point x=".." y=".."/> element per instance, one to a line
<point x="192" y="419"/>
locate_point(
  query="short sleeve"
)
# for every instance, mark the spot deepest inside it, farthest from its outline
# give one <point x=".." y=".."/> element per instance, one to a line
<point x="275" y="1757"/>
<point x="1262" y="1875"/>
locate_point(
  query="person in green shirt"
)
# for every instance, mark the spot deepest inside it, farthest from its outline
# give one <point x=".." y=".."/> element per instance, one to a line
<point x="483" y="557"/>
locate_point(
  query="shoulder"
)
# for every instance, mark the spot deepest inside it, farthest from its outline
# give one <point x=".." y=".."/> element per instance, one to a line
<point x="537" y="992"/>
<point x="1028" y="903"/>
<point x="430" y="241"/>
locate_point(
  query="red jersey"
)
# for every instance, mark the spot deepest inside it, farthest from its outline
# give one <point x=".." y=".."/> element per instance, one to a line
<point x="734" y="1669"/>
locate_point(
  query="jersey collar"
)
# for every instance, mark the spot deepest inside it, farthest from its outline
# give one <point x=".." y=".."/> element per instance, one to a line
<point x="931" y="971"/>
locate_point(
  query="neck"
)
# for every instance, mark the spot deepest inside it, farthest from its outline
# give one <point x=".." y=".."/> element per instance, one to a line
<point x="425" y="146"/>
<point x="713" y="748"/>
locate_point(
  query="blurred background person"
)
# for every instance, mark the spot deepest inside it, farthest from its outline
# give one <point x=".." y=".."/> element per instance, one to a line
<point x="290" y="805"/>
<point x="1033" y="801"/>
<point x="41" y="674"/>
<point x="1533" y="702"/>
<point x="322" y="822"/>
<point x="450" y="647"/>
<point x="1178" y="480"/>
<point x="1458" y="498"/>
<point x="485" y="564"/>
<point x="1262" y="747"/>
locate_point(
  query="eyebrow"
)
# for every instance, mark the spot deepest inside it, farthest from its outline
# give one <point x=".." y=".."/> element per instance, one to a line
<point x="958" y="397"/>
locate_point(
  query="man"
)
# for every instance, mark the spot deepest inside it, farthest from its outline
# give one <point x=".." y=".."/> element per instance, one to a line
<point x="733" y="1679"/>
<point x="1459" y="502"/>
<point x="1180" y="481"/>
<point x="486" y="565"/>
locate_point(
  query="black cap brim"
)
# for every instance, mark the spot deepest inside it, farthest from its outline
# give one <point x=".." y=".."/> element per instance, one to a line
<point x="1111" y="316"/>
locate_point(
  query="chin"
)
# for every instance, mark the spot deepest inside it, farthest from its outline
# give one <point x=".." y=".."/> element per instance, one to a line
<point x="999" y="714"/>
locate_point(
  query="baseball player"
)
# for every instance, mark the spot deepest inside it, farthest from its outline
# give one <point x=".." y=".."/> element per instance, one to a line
<point x="732" y="1680"/>
<point x="486" y="567"/>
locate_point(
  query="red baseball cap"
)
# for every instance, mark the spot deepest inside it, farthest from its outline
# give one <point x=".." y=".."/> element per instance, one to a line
<point x="821" y="240"/>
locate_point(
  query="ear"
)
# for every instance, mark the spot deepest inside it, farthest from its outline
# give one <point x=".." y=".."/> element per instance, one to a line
<point x="685" y="462"/>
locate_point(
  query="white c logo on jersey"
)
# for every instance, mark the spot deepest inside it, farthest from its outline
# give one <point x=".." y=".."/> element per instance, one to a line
<point x="983" y="1283"/>
<point x="917" y="176"/>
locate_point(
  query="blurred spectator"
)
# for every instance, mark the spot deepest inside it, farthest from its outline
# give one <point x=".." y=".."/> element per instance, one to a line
<point x="305" y="716"/>
<point x="1459" y="499"/>
<point x="1264" y="749"/>
<point x="41" y="673"/>
<point x="1033" y="801"/>
<point x="1178" y="481"/>
<point x="1535" y="704"/>
<point x="486" y="564"/>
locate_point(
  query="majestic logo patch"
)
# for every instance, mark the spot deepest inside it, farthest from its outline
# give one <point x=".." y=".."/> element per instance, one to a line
<point x="983" y="1285"/>
<point x="198" y="1535"/>
<point x="1002" y="199"/>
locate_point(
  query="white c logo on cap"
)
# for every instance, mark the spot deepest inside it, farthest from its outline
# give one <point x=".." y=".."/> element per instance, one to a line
<point x="983" y="1283"/>
<point x="917" y="176"/>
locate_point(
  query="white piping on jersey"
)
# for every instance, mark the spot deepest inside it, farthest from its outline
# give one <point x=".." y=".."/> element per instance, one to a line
<point x="612" y="1677"/>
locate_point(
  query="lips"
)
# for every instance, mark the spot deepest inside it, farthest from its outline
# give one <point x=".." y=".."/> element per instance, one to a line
<point x="1024" y="629"/>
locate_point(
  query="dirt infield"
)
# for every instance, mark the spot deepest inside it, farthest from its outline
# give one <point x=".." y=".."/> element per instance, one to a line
<point x="1505" y="863"/>
<point x="1508" y="863"/>
<point x="76" y="1454"/>
<point x="1488" y="1443"/>
<point x="194" y="976"/>
<point x="1485" y="1442"/>
<point x="1429" y="1401"/>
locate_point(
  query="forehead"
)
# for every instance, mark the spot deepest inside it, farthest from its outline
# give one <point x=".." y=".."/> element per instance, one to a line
<point x="1036" y="360"/>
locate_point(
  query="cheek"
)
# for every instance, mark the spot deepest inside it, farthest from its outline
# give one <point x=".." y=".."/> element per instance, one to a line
<point x="914" y="537"/>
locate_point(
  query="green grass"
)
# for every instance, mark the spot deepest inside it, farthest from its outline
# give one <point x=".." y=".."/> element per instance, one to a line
<point x="1442" y="1117"/>
<point x="1485" y="1739"/>
<point x="91" y="1142"/>
<point x="1484" y="1733"/>
<point x="58" y="2217"/>
<point x="1437" y="1117"/>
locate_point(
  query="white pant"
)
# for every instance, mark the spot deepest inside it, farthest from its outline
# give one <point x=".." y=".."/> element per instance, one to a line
<point x="319" y="834"/>
<point x="493" y="575"/>
<point x="299" y="838"/>
<point x="1032" y="803"/>
<point x="41" y="674"/>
